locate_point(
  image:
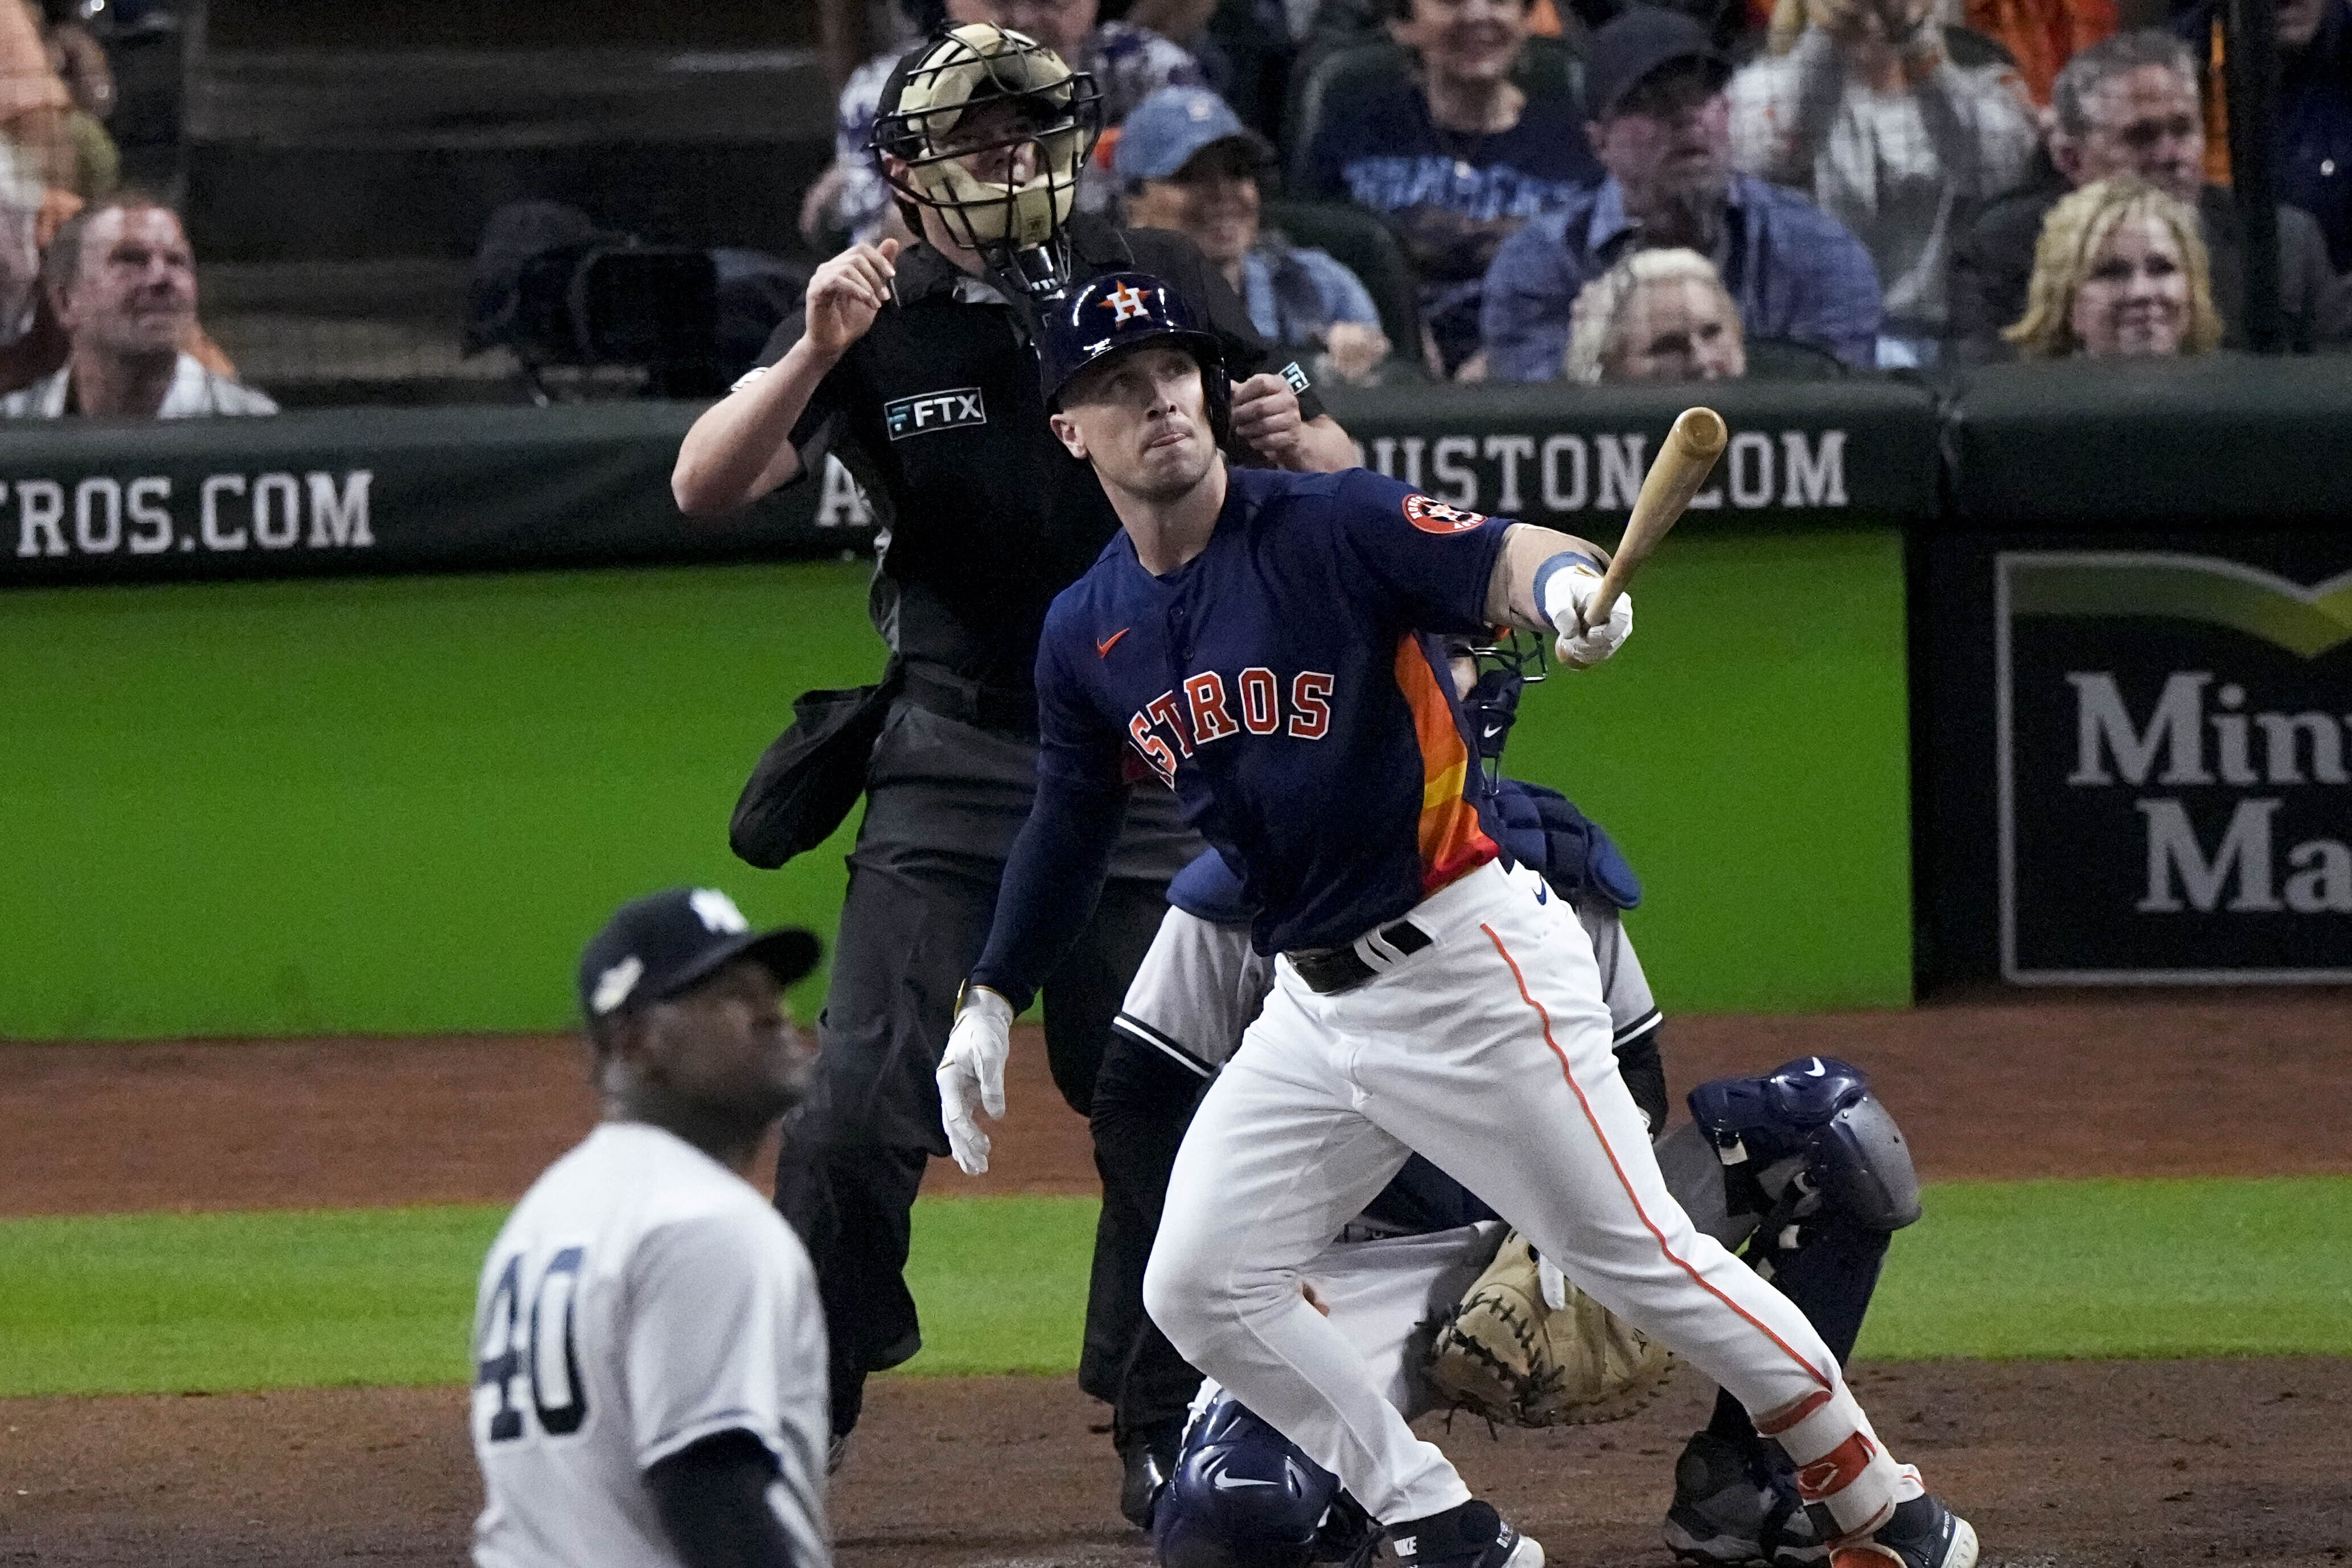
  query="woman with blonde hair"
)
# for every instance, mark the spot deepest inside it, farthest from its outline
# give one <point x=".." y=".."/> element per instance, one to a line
<point x="1657" y="315"/>
<point x="2120" y="271"/>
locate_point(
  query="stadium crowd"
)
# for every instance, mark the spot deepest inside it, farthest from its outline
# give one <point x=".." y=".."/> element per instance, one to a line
<point x="1585" y="190"/>
<point x="1452" y="190"/>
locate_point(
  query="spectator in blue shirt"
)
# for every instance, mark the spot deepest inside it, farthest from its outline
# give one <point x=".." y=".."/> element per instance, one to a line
<point x="1185" y="162"/>
<point x="1456" y="159"/>
<point x="1662" y="127"/>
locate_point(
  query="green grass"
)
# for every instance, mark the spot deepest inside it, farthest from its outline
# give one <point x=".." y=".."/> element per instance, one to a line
<point x="2057" y="1269"/>
<point x="157" y="1304"/>
<point x="1002" y="1283"/>
<point x="2017" y="1270"/>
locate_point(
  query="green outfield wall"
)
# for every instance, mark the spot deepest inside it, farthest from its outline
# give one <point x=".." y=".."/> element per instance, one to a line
<point x="399" y="805"/>
<point x="382" y="805"/>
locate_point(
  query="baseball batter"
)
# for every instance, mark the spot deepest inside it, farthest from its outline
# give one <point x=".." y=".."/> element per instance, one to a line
<point x="1242" y="1496"/>
<point x="1804" y="1165"/>
<point x="1801" y="1170"/>
<point x="1250" y="640"/>
<point x="649" y="1352"/>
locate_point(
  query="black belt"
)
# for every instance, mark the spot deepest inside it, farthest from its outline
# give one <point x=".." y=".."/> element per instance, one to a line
<point x="1329" y="969"/>
<point x="999" y="708"/>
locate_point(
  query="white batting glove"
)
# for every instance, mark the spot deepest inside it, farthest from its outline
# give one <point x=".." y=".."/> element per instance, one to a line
<point x="1566" y="592"/>
<point x="973" y="1068"/>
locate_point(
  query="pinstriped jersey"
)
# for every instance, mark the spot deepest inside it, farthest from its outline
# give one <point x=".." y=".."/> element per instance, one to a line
<point x="1280" y="683"/>
<point x="640" y="1298"/>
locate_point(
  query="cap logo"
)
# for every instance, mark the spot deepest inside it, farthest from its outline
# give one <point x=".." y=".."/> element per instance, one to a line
<point x="717" y="912"/>
<point x="1126" y="302"/>
<point x="614" y="986"/>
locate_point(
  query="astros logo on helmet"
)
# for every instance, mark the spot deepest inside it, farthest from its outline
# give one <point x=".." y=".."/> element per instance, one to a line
<point x="1125" y="302"/>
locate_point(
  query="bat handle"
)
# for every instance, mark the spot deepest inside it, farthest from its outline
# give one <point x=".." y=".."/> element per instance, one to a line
<point x="1604" y="598"/>
<point x="1697" y="439"/>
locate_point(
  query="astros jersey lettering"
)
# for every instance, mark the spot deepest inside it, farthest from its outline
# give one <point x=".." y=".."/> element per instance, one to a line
<point x="1279" y="684"/>
<point x="640" y="1298"/>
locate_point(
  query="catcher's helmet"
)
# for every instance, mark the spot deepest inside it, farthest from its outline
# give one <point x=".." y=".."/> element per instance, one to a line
<point x="1119" y="311"/>
<point x="1242" y="1496"/>
<point x="927" y="108"/>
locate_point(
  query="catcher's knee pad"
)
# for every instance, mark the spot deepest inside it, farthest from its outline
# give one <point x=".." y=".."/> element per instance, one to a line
<point x="1242" y="1496"/>
<point x="1812" y="1138"/>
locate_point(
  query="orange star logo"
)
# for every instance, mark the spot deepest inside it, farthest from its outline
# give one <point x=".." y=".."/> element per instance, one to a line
<point x="1124" y="302"/>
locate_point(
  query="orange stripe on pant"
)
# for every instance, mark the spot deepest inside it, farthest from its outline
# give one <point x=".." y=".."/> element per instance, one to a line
<point x="1593" y="1121"/>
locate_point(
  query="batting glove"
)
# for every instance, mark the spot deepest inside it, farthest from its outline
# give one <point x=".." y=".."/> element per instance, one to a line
<point x="973" y="1068"/>
<point x="1566" y="593"/>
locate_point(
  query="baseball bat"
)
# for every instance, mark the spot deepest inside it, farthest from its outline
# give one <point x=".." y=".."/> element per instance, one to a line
<point x="1682" y="465"/>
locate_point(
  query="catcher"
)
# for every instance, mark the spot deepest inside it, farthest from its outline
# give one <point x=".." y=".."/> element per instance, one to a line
<point x="1803" y="1166"/>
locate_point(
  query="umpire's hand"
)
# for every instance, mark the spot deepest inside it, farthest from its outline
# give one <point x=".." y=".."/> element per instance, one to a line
<point x="973" y="1065"/>
<point x="1267" y="418"/>
<point x="846" y="293"/>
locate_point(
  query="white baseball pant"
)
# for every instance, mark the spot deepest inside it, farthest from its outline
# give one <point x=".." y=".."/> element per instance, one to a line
<point x="1488" y="1052"/>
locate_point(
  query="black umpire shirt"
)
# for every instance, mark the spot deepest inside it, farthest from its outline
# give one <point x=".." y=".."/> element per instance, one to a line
<point x="937" y="413"/>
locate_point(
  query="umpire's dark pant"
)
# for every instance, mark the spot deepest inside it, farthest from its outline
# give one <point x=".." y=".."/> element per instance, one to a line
<point x="944" y="800"/>
<point x="1143" y="1104"/>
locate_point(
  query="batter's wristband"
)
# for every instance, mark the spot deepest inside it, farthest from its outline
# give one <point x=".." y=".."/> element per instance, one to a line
<point x="1017" y="998"/>
<point x="1552" y="566"/>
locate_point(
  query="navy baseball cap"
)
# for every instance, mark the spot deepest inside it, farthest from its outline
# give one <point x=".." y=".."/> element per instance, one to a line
<point x="668" y="942"/>
<point x="1636" y="42"/>
<point x="1166" y="131"/>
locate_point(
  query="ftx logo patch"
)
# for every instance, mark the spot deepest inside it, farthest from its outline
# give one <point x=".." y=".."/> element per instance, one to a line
<point x="928" y="412"/>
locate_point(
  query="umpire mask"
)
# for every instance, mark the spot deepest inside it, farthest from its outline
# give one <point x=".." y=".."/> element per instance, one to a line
<point x="993" y="129"/>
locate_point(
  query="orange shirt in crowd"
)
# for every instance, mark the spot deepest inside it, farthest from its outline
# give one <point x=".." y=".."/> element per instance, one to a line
<point x="2043" y="34"/>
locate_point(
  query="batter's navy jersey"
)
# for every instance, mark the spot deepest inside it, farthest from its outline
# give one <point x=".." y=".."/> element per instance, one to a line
<point x="1279" y="683"/>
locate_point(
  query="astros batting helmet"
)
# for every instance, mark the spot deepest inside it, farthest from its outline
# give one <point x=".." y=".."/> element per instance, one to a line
<point x="929" y="108"/>
<point x="1120" y="312"/>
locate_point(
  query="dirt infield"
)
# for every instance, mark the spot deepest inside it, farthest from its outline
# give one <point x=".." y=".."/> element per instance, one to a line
<point x="2105" y="1465"/>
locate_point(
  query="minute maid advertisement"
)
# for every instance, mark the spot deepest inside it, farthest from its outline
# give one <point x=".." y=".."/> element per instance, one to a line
<point x="2175" y="757"/>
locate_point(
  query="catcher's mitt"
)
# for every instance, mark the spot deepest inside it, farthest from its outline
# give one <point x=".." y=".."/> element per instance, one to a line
<point x="1510" y="1355"/>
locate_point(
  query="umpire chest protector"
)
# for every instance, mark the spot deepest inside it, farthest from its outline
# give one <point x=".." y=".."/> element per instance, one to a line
<point x="937" y="410"/>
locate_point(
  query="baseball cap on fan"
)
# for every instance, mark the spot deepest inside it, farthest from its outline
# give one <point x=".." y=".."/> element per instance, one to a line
<point x="1637" y="41"/>
<point x="1165" y="131"/>
<point x="668" y="942"/>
